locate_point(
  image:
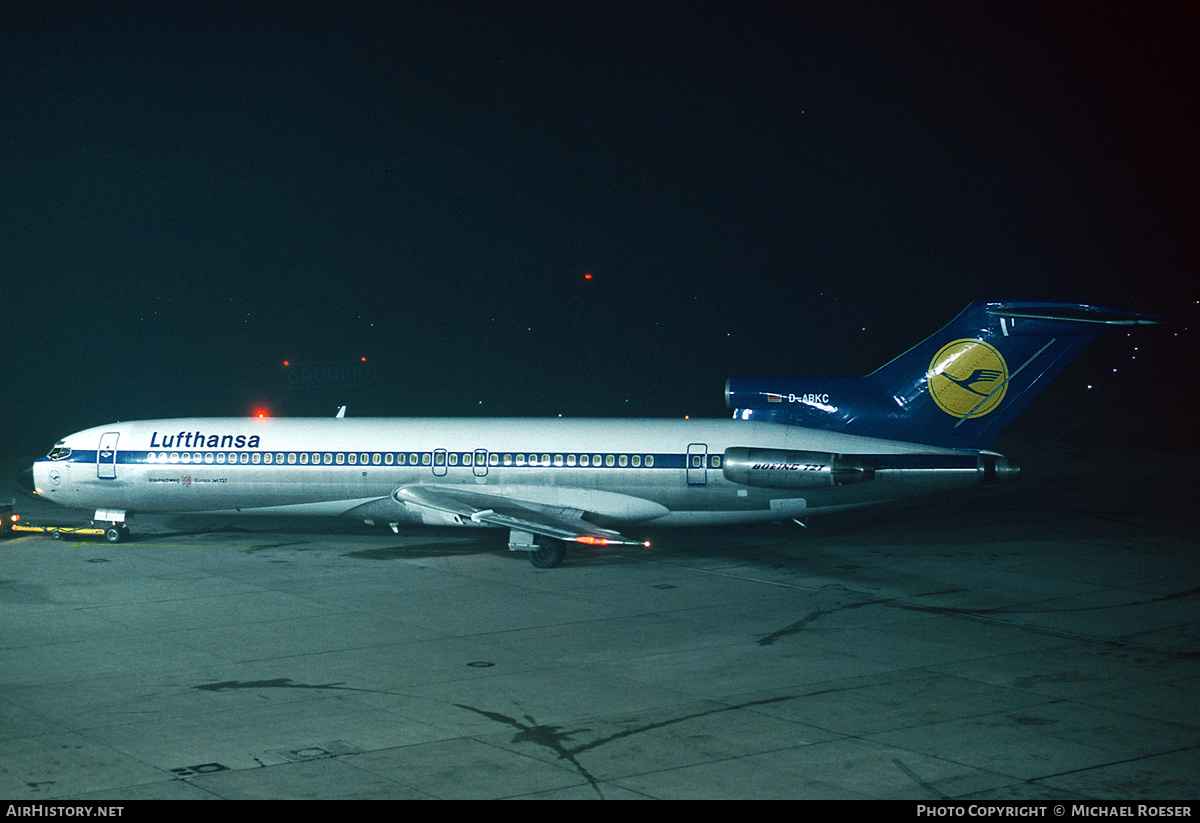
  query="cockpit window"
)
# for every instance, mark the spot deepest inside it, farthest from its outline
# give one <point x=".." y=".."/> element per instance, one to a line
<point x="59" y="453"/>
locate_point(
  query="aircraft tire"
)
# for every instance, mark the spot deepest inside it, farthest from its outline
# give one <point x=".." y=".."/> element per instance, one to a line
<point x="547" y="557"/>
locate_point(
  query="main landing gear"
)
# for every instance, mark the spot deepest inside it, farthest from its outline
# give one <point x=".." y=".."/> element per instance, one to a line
<point x="547" y="557"/>
<point x="541" y="555"/>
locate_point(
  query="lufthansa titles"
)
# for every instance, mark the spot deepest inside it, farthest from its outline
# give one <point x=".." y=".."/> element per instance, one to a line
<point x="200" y="440"/>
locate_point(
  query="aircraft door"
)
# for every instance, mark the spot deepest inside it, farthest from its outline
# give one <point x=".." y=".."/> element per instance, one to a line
<point x="697" y="464"/>
<point x="439" y="463"/>
<point x="106" y="456"/>
<point x="480" y="463"/>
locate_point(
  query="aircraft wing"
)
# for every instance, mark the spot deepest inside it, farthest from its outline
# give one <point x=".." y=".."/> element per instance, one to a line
<point x="510" y="512"/>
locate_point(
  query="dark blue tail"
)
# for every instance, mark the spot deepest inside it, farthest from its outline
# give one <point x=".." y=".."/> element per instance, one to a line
<point x="958" y="388"/>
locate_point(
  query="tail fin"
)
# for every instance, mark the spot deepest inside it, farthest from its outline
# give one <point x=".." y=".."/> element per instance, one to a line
<point x="958" y="388"/>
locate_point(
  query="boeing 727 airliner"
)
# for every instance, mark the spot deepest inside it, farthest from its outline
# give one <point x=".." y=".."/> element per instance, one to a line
<point x="795" y="447"/>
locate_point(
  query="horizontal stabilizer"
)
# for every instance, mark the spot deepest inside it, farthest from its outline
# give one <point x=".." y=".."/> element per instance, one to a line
<point x="1079" y="314"/>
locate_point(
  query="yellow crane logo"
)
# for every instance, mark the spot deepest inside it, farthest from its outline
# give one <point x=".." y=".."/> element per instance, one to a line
<point x="967" y="378"/>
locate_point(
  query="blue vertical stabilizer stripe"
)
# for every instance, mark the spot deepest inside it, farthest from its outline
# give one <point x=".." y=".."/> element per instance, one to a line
<point x="958" y="388"/>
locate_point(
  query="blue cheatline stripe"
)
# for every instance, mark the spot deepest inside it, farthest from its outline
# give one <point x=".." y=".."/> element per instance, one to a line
<point x="425" y="459"/>
<point x="966" y="460"/>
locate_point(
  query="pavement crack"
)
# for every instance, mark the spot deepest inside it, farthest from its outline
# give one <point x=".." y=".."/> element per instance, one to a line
<point x="279" y="683"/>
<point x="553" y="738"/>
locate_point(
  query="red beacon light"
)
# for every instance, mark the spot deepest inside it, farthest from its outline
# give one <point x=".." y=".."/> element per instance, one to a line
<point x="590" y="540"/>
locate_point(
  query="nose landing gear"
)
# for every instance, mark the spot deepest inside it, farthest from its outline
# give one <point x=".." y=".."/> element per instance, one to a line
<point x="116" y="533"/>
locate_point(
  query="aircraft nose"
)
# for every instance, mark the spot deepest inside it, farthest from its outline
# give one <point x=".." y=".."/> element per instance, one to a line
<point x="25" y="478"/>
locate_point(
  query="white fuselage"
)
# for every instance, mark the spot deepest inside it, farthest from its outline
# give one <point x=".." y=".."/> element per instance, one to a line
<point x="660" y="472"/>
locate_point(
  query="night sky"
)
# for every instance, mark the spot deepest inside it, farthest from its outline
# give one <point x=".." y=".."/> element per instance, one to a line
<point x="191" y="198"/>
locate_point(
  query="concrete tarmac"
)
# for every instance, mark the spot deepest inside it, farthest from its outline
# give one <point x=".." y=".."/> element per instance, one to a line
<point x="1038" y="640"/>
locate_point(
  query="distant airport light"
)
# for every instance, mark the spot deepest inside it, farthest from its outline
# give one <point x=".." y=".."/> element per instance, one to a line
<point x="587" y="275"/>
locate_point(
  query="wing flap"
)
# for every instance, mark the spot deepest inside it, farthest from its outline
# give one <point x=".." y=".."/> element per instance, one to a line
<point x="559" y="522"/>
